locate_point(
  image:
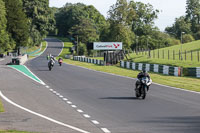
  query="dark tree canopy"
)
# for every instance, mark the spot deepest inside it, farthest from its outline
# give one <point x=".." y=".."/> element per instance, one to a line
<point x="17" y="23"/>
<point x="41" y="19"/>
<point x="4" y="37"/>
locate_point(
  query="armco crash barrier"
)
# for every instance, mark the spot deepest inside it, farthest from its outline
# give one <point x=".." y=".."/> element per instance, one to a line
<point x="193" y="72"/>
<point x="167" y="70"/>
<point x="88" y="60"/>
<point x="163" y="69"/>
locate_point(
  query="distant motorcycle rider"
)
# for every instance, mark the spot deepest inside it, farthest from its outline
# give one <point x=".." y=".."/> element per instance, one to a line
<point x="51" y="58"/>
<point x="140" y="76"/>
<point x="60" y="60"/>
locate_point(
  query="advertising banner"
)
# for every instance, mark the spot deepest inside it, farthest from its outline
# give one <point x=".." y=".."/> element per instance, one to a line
<point x="107" y="45"/>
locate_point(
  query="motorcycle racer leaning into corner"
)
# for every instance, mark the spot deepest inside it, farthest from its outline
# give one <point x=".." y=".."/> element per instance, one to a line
<point x="140" y="76"/>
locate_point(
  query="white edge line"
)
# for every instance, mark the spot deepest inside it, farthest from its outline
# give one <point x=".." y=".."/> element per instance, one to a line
<point x="69" y="102"/>
<point x="95" y="122"/>
<point x="42" y="116"/>
<point x="27" y="75"/>
<point x="105" y="130"/>
<point x="86" y="115"/>
<point x="135" y="78"/>
<point x="62" y="47"/>
<point x="65" y="99"/>
<point x="80" y="111"/>
<point x="42" y="52"/>
<point x="74" y="106"/>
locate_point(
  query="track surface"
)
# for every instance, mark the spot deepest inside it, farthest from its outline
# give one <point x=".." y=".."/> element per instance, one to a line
<point x="110" y="99"/>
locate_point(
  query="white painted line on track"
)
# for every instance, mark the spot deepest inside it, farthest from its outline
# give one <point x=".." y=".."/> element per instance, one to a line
<point x="54" y="92"/>
<point x="51" y="89"/>
<point x="65" y="99"/>
<point x="42" y="116"/>
<point x="42" y="51"/>
<point x="69" y="102"/>
<point x="177" y="88"/>
<point x="29" y="76"/>
<point x="62" y="47"/>
<point x="35" y="75"/>
<point x="61" y="96"/>
<point x="80" y="111"/>
<point x="57" y="94"/>
<point x="105" y="130"/>
<point x="47" y="86"/>
<point x="74" y="106"/>
<point x="86" y="116"/>
<point x="95" y="122"/>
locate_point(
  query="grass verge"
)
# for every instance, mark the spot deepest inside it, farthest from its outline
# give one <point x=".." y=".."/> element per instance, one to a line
<point x="179" y="82"/>
<point x="44" y="44"/>
<point x="1" y="107"/>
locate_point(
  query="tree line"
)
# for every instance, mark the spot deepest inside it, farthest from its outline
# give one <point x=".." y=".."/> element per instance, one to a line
<point x="187" y="26"/>
<point x="129" y="22"/>
<point x="27" y="22"/>
<point x="24" y="23"/>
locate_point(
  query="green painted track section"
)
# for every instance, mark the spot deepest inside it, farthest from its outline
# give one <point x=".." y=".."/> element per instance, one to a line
<point x="26" y="72"/>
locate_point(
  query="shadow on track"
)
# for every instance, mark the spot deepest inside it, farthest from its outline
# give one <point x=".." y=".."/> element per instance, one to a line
<point x="120" y="98"/>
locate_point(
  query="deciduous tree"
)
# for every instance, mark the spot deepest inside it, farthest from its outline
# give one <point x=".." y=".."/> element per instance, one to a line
<point x="17" y="22"/>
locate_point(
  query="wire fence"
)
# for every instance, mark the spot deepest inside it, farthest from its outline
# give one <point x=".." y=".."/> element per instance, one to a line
<point x="170" y="54"/>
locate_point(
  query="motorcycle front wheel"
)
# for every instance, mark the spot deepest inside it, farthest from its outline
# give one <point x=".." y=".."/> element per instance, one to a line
<point x="144" y="92"/>
<point x="137" y="93"/>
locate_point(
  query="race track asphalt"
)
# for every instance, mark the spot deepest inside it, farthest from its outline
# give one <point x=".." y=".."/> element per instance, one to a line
<point x="109" y="99"/>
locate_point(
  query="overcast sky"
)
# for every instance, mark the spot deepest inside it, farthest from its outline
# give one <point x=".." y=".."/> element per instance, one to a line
<point x="169" y="9"/>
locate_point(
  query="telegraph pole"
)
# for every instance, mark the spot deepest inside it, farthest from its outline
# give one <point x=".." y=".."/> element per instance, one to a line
<point x="77" y="45"/>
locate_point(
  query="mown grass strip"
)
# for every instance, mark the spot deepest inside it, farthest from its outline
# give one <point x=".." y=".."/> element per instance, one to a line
<point x="187" y="83"/>
<point x="1" y="107"/>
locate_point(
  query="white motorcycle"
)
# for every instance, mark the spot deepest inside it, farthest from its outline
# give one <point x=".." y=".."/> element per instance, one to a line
<point x="142" y="87"/>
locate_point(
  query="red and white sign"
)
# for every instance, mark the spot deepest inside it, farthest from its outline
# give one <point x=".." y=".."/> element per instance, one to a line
<point x="107" y="46"/>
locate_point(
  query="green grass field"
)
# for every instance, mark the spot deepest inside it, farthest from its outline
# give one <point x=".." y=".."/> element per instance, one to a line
<point x="170" y="55"/>
<point x="179" y="82"/>
<point x="67" y="46"/>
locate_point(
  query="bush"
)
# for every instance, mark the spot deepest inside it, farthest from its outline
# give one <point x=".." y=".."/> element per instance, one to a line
<point x="82" y="49"/>
<point x="175" y="42"/>
<point x="187" y="38"/>
<point x="197" y="35"/>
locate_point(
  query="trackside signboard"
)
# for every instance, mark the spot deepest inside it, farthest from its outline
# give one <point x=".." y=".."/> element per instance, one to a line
<point x="107" y="45"/>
